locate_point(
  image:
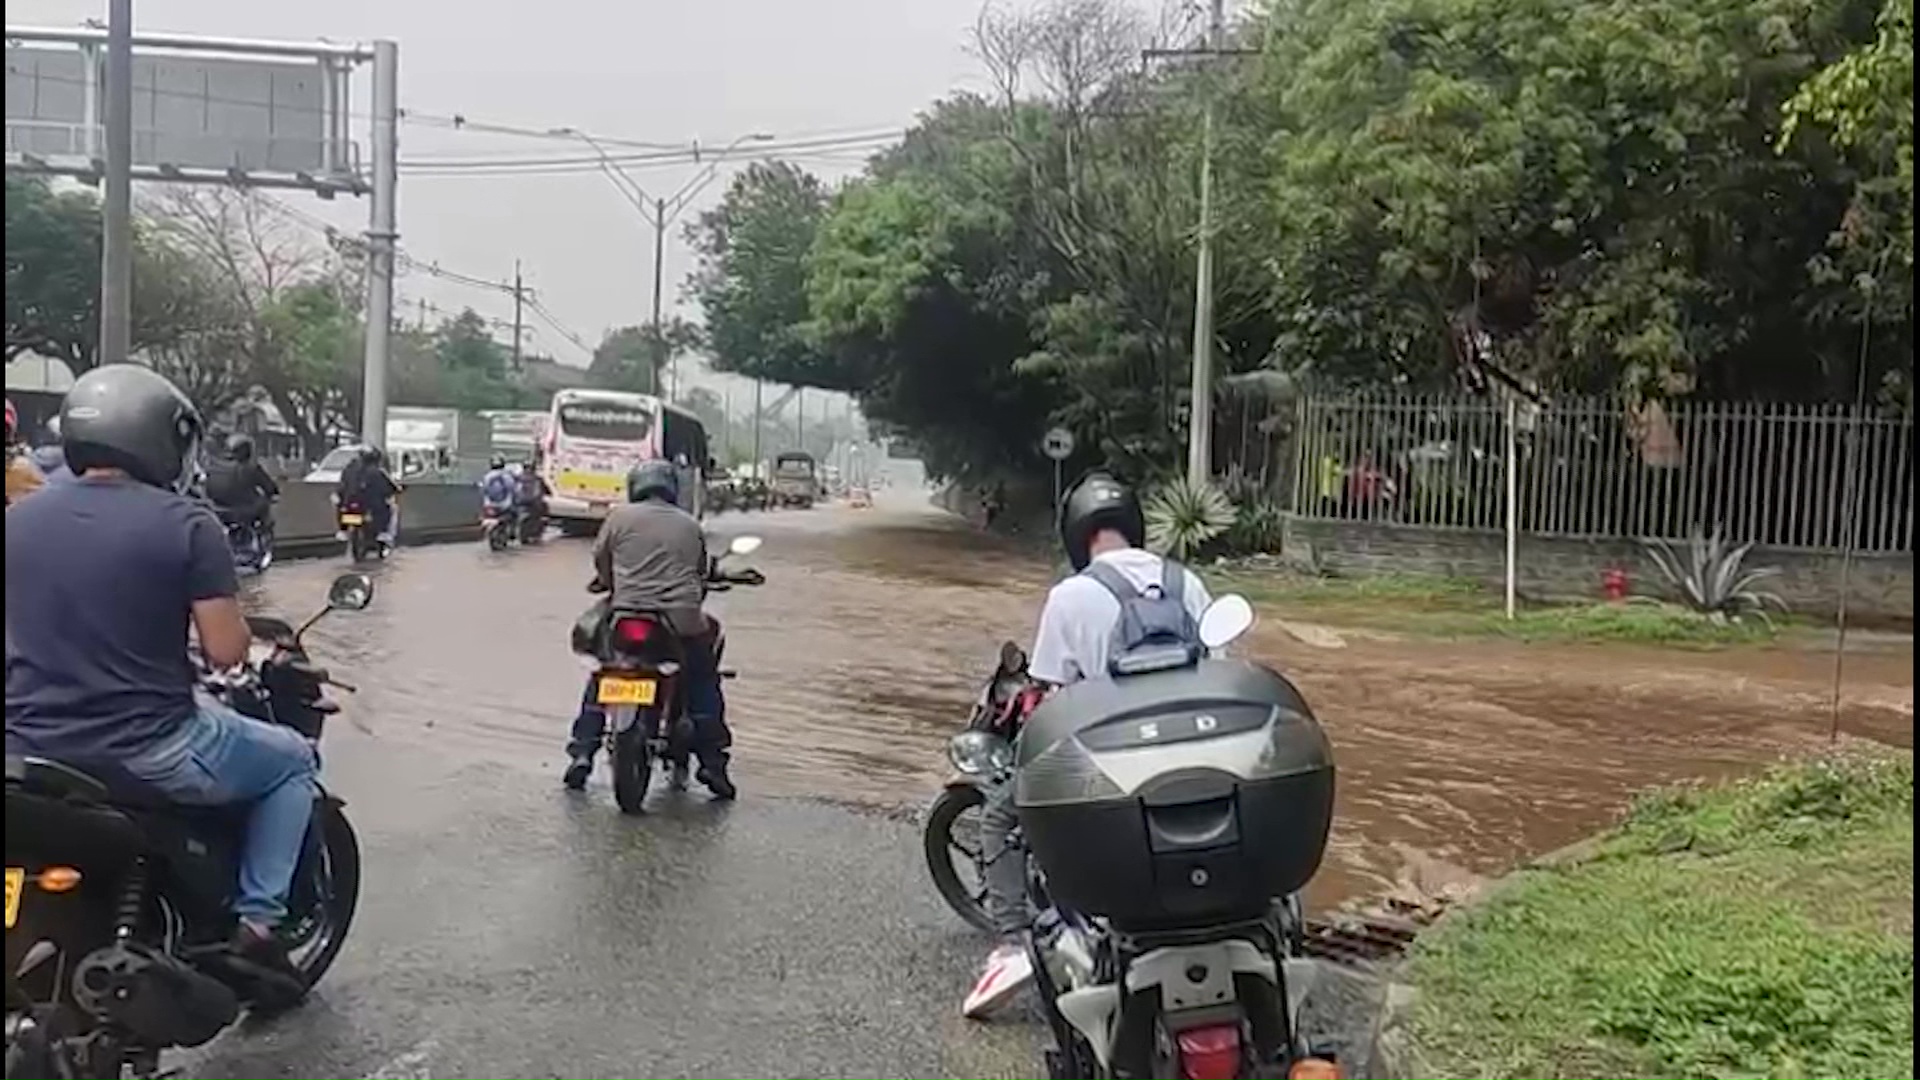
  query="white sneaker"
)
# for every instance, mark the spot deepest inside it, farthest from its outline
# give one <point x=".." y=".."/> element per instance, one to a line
<point x="1008" y="970"/>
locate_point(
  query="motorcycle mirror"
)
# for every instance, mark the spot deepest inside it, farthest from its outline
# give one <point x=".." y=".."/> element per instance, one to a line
<point x="1013" y="659"/>
<point x="1225" y="619"/>
<point x="743" y="545"/>
<point x="350" y="592"/>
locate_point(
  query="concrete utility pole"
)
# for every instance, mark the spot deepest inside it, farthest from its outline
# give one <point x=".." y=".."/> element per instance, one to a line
<point x="519" y="321"/>
<point x="759" y="414"/>
<point x="659" y="274"/>
<point x="116" y="218"/>
<point x="382" y="237"/>
<point x="1200" y="429"/>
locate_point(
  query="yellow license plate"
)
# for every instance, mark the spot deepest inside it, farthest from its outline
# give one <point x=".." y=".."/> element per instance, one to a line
<point x="352" y="519"/>
<point x="588" y="485"/>
<point x="16" y="881"/>
<point x="627" y="691"/>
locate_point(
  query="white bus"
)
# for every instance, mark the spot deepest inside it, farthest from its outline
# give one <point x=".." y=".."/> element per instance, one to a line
<point x="594" y="437"/>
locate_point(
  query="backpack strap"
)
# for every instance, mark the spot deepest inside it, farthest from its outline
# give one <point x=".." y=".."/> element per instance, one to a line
<point x="1173" y="582"/>
<point x="1114" y="581"/>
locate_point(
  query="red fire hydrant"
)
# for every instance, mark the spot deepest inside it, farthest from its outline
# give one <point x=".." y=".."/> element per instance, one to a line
<point x="1614" y="584"/>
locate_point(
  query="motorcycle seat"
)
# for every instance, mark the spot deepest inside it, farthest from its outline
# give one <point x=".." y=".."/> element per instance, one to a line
<point x="108" y="785"/>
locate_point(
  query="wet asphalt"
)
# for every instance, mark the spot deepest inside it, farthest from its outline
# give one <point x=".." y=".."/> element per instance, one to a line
<point x="508" y="928"/>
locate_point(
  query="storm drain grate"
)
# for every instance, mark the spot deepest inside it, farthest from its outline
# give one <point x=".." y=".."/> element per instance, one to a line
<point x="1360" y="940"/>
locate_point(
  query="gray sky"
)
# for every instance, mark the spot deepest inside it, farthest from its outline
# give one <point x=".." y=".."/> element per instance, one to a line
<point x="642" y="69"/>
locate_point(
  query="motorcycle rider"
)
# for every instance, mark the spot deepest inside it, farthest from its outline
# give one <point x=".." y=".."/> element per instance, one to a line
<point x="105" y="574"/>
<point x="652" y="556"/>
<point x="48" y="457"/>
<point x="530" y="495"/>
<point x="365" y="482"/>
<point x="1102" y="529"/>
<point x="497" y="487"/>
<point x="242" y="490"/>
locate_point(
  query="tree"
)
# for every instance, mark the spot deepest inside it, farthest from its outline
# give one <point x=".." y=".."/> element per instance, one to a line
<point x="632" y="357"/>
<point x="751" y="277"/>
<point x="53" y="272"/>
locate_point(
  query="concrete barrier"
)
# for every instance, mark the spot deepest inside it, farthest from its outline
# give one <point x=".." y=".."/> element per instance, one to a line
<point x="429" y="513"/>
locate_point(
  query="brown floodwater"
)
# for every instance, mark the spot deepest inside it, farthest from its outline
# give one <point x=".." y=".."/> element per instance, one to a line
<point x="858" y="658"/>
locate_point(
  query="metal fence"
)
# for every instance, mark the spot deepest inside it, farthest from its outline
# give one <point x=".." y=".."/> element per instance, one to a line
<point x="1776" y="474"/>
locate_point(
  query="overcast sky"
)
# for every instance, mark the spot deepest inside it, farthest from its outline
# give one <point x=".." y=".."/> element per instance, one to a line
<point x="632" y="69"/>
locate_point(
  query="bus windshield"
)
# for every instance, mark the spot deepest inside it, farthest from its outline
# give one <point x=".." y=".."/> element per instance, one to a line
<point x="604" y="420"/>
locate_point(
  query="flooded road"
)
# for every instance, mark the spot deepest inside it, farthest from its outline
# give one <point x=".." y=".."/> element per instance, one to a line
<point x="858" y="656"/>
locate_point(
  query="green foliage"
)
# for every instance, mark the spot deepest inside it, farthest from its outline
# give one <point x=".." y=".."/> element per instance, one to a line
<point x="751" y="277"/>
<point x="1713" y="578"/>
<point x="633" y="357"/>
<point x="1184" y="517"/>
<point x="1748" y="952"/>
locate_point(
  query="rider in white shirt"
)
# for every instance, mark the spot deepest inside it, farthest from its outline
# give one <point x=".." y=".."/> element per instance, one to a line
<point x="1102" y="528"/>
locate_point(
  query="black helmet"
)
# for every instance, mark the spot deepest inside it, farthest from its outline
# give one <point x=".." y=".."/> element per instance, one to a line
<point x="497" y="461"/>
<point x="1099" y="502"/>
<point x="124" y="416"/>
<point x="240" y="448"/>
<point x="653" y="479"/>
<point x="372" y="455"/>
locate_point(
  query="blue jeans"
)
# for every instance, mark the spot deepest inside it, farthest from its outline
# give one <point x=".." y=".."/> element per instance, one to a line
<point x="221" y="757"/>
<point x="706" y="706"/>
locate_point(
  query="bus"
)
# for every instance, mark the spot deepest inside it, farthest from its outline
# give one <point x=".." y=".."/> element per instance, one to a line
<point x="594" y="437"/>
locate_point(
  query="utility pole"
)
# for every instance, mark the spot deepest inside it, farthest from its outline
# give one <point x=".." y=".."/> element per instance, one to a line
<point x="519" y="301"/>
<point x="1200" y="426"/>
<point x="659" y="271"/>
<point x="116" y="247"/>
<point x="382" y="236"/>
<point x="800" y="410"/>
<point x="759" y="385"/>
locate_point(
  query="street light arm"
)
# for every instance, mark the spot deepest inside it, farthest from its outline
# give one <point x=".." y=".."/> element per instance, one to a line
<point x="626" y="185"/>
<point x="691" y="190"/>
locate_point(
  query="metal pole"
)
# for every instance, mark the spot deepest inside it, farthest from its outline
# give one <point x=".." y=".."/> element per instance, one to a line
<point x="1200" y="429"/>
<point x="1513" y="504"/>
<point x="659" y="264"/>
<point x="116" y="247"/>
<point x="382" y="234"/>
<point x="1056" y="487"/>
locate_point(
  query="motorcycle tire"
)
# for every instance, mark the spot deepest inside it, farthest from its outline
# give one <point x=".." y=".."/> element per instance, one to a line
<point x="497" y="538"/>
<point x="632" y="769"/>
<point x="937" y="840"/>
<point x="341" y="847"/>
<point x="357" y="544"/>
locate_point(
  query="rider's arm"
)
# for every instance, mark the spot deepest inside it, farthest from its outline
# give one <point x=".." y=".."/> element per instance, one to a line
<point x="603" y="558"/>
<point x="263" y="482"/>
<point x="212" y="586"/>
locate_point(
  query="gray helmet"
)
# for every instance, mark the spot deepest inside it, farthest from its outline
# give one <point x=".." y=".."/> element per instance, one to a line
<point x="653" y="479"/>
<point x="125" y="416"/>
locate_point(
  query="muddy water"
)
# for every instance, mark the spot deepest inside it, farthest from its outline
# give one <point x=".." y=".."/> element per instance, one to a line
<point x="859" y="655"/>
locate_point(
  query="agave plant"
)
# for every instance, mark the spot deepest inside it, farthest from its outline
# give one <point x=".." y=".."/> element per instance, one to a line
<point x="1713" y="578"/>
<point x="1182" y="517"/>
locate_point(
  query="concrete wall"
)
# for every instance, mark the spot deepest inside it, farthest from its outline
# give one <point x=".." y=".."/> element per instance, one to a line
<point x="304" y="517"/>
<point x="1880" y="586"/>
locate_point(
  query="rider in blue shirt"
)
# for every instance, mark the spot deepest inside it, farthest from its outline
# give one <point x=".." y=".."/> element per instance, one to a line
<point x="497" y="486"/>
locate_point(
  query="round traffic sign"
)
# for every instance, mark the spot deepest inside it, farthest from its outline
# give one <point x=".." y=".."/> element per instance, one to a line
<point x="1058" y="444"/>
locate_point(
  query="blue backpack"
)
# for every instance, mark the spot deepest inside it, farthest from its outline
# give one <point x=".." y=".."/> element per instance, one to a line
<point x="498" y="487"/>
<point x="1155" y="631"/>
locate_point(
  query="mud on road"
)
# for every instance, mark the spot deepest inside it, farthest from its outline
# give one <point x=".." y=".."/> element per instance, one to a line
<point x="858" y="657"/>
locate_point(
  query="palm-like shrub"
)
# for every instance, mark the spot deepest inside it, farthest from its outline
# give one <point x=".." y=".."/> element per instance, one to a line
<point x="1713" y="578"/>
<point x="1183" y="517"/>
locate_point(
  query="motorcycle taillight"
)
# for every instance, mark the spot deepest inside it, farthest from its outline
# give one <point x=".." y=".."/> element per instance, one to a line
<point x="633" y="633"/>
<point x="1211" y="1052"/>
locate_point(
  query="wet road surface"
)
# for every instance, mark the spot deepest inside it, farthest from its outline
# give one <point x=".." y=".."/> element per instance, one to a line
<point x="508" y="928"/>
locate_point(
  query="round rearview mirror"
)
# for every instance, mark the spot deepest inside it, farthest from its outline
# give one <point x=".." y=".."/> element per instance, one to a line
<point x="743" y="545"/>
<point x="1226" y="619"/>
<point x="350" y="592"/>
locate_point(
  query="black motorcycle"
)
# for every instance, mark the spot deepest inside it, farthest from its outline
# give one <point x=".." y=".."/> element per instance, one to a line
<point x="640" y="659"/>
<point x="356" y="527"/>
<point x="981" y="758"/>
<point x="117" y="910"/>
<point x="251" y="544"/>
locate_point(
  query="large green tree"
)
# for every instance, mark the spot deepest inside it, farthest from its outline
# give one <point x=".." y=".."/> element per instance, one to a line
<point x="750" y="279"/>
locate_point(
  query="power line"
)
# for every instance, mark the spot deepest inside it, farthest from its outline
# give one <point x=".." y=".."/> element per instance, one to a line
<point x="556" y="166"/>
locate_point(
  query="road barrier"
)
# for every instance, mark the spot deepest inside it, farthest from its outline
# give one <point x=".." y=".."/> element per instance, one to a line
<point x="429" y="513"/>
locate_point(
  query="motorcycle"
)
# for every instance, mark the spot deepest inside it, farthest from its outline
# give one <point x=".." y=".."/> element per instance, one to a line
<point x="356" y="528"/>
<point x="501" y="526"/>
<point x="117" y="910"/>
<point x="1169" y="939"/>
<point x="252" y="547"/>
<point x="982" y="757"/>
<point x="638" y="661"/>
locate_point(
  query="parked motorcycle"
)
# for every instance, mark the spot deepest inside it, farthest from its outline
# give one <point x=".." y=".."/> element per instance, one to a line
<point x="117" y="900"/>
<point x="1170" y="818"/>
<point x="639" y="660"/>
<point x="982" y="757"/>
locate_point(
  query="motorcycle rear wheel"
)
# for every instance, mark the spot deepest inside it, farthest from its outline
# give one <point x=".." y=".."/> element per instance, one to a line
<point x="632" y="769"/>
<point x="938" y="841"/>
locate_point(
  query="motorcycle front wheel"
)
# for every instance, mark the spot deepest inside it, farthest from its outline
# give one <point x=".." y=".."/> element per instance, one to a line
<point x="632" y="768"/>
<point x="497" y="537"/>
<point x="333" y="874"/>
<point x="947" y="850"/>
